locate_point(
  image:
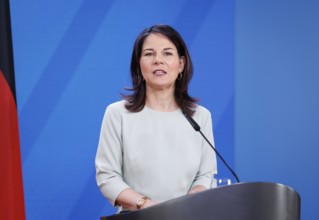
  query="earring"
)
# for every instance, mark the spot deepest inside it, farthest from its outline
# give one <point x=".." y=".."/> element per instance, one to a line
<point x="180" y="75"/>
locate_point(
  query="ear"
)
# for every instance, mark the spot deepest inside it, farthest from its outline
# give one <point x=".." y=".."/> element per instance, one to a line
<point x="181" y="64"/>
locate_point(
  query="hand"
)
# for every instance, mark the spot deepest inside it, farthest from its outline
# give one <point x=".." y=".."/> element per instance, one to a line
<point x="149" y="203"/>
<point x="197" y="189"/>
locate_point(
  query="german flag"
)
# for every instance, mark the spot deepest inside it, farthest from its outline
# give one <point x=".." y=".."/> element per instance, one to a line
<point x="11" y="186"/>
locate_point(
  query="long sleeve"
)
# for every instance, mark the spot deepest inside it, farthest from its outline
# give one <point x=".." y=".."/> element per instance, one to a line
<point x="108" y="160"/>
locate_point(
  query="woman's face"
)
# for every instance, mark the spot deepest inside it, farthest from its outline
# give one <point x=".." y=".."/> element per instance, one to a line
<point x="160" y="63"/>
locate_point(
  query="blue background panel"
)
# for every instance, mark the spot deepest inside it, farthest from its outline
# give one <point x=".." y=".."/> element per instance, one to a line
<point x="256" y="69"/>
<point x="72" y="59"/>
<point x="276" y="96"/>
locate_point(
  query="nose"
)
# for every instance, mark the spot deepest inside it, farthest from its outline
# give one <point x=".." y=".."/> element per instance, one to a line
<point x="158" y="59"/>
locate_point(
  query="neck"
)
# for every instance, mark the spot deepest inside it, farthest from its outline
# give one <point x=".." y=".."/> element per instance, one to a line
<point x="161" y="100"/>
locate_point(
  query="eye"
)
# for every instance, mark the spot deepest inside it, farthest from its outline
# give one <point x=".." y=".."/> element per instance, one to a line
<point x="168" y="53"/>
<point x="148" y="54"/>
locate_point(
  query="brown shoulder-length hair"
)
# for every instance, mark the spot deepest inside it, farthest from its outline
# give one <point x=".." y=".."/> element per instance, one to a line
<point x="136" y="100"/>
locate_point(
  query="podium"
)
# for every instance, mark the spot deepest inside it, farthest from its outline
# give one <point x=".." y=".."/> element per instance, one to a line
<point x="241" y="201"/>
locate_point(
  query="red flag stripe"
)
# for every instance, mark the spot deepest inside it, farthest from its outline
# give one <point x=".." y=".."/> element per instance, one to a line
<point x="11" y="187"/>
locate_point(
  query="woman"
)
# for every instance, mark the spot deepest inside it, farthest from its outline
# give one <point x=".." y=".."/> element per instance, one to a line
<point x="148" y="152"/>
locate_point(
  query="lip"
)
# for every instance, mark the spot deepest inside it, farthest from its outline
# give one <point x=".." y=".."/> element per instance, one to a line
<point x="159" y="72"/>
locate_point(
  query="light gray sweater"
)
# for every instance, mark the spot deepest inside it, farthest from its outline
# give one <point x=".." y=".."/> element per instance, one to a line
<point x="157" y="154"/>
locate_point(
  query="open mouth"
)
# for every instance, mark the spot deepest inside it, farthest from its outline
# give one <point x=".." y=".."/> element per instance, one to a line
<point x="159" y="72"/>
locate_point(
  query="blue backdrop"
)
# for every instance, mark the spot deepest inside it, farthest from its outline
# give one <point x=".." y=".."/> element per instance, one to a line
<point x="256" y="70"/>
<point x="72" y="60"/>
<point x="276" y="101"/>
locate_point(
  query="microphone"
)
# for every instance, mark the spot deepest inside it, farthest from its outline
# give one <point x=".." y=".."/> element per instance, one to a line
<point x="197" y="128"/>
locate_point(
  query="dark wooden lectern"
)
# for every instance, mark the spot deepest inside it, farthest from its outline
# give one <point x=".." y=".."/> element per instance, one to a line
<point x="242" y="201"/>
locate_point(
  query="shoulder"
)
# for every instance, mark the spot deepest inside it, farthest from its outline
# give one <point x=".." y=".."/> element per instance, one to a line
<point x="116" y="108"/>
<point x="119" y="105"/>
<point x="201" y="111"/>
<point x="202" y="115"/>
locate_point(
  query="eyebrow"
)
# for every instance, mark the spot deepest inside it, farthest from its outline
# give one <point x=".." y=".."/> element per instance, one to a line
<point x="167" y="48"/>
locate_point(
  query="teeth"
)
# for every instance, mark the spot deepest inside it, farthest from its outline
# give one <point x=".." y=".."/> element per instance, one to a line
<point x="159" y="71"/>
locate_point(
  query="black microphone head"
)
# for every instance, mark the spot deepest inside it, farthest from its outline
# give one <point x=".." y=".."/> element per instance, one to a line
<point x="192" y="122"/>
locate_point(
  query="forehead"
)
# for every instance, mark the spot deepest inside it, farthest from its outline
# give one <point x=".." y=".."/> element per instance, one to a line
<point x="157" y="41"/>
